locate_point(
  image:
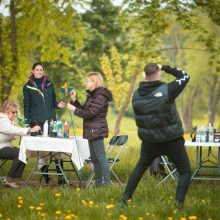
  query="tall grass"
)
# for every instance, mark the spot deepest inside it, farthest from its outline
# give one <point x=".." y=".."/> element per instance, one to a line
<point x="150" y="201"/>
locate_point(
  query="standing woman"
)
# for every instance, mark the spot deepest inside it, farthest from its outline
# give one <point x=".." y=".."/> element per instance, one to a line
<point x="8" y="132"/>
<point x="40" y="102"/>
<point x="95" y="127"/>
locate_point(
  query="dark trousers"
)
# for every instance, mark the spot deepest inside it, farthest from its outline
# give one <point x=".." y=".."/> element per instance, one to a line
<point x="17" y="167"/>
<point x="176" y="153"/>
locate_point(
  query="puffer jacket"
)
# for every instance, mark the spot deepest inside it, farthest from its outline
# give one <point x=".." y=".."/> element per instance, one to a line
<point x="94" y="113"/>
<point x="39" y="104"/>
<point x="8" y="131"/>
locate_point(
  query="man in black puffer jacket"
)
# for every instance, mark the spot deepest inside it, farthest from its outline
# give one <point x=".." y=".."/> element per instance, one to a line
<point x="160" y="127"/>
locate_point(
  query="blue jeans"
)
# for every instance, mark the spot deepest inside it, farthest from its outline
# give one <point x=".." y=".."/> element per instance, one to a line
<point x="176" y="153"/>
<point x="100" y="161"/>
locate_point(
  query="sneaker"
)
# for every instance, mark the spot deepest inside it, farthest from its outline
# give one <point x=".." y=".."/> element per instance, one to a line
<point x="10" y="183"/>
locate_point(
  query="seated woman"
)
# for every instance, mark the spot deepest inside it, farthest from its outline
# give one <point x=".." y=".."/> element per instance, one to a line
<point x="8" y="132"/>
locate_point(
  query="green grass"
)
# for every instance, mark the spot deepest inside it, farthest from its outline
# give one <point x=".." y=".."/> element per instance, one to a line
<point x="150" y="200"/>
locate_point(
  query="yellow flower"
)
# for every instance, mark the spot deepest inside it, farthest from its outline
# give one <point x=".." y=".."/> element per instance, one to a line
<point x="58" y="212"/>
<point x="19" y="197"/>
<point x="38" y="208"/>
<point x="1" y="215"/>
<point x="57" y="194"/>
<point x="31" y="207"/>
<point x="8" y="219"/>
<point x="90" y="202"/>
<point x="109" y="214"/>
<point x="140" y="218"/>
<point x="42" y="204"/>
<point x="19" y="206"/>
<point x="183" y="218"/>
<point x="84" y="202"/>
<point x="43" y="214"/>
<point x="170" y="218"/>
<point x="68" y="217"/>
<point x="20" y="201"/>
<point x="77" y="189"/>
<point x="109" y="206"/>
<point x="147" y="213"/>
<point x="192" y="217"/>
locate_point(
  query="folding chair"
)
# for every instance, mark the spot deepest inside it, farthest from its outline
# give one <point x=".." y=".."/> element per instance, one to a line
<point x="113" y="151"/>
<point x="2" y="163"/>
<point x="170" y="169"/>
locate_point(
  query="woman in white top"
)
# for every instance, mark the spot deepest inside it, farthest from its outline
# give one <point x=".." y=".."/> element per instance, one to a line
<point x="8" y="132"/>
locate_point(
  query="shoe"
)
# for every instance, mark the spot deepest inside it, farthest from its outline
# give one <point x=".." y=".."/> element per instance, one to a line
<point x="10" y="183"/>
<point x="122" y="203"/>
<point x="61" y="180"/>
<point x="44" y="169"/>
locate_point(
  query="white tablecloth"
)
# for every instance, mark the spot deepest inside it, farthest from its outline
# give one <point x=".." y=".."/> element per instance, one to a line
<point x="76" y="146"/>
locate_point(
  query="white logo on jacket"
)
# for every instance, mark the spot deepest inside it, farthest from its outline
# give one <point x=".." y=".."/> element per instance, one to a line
<point x="158" y="94"/>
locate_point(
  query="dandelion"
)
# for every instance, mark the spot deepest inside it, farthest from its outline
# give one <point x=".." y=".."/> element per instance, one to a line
<point x="109" y="214"/>
<point x="20" y="197"/>
<point x="91" y="202"/>
<point x="19" y="206"/>
<point x="68" y="217"/>
<point x="42" y="204"/>
<point x="58" y="195"/>
<point x="31" y="207"/>
<point x="20" y="201"/>
<point x="170" y="218"/>
<point x="58" y="212"/>
<point x="203" y="201"/>
<point x="183" y="218"/>
<point x="1" y="215"/>
<point x="147" y="213"/>
<point x="78" y="189"/>
<point x="123" y="217"/>
<point x="109" y="206"/>
<point x="43" y="214"/>
<point x="38" y="208"/>
<point x="192" y="217"/>
<point x="84" y="202"/>
<point x="8" y="219"/>
<point x="140" y="218"/>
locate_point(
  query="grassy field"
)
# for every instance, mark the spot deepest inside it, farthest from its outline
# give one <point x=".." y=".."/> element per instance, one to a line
<point x="150" y="201"/>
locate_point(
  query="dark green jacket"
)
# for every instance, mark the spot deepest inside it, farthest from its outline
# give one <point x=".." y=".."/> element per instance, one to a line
<point x="156" y="116"/>
<point x="39" y="104"/>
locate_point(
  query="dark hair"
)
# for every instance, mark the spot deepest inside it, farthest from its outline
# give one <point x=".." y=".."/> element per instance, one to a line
<point x="151" y="69"/>
<point x="37" y="64"/>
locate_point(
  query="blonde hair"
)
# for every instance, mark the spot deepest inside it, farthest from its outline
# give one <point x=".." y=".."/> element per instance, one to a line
<point x="97" y="78"/>
<point x="7" y="105"/>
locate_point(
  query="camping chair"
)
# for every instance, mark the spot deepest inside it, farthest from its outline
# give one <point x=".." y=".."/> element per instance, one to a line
<point x="170" y="169"/>
<point x="113" y="151"/>
<point x="2" y="163"/>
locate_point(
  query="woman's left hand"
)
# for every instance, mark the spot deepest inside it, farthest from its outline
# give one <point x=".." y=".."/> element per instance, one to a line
<point x="71" y="107"/>
<point x="61" y="104"/>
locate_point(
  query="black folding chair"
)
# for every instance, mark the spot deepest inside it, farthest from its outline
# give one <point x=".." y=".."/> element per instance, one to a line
<point x="113" y="151"/>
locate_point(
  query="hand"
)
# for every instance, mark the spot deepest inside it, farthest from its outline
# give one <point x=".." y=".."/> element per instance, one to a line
<point x="73" y="95"/>
<point x="61" y="105"/>
<point x="71" y="107"/>
<point x="35" y="128"/>
<point x="159" y="66"/>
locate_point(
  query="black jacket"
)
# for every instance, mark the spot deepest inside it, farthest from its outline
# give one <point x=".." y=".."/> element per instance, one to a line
<point x="39" y="103"/>
<point x="94" y="113"/>
<point x="155" y="110"/>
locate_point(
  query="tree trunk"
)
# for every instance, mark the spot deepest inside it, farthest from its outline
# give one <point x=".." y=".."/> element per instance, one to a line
<point x="1" y="60"/>
<point x="127" y="100"/>
<point x="6" y="80"/>
<point x="213" y="100"/>
<point x="188" y="113"/>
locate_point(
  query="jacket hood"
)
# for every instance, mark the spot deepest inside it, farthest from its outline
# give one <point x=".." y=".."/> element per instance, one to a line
<point x="147" y="87"/>
<point x="101" y="91"/>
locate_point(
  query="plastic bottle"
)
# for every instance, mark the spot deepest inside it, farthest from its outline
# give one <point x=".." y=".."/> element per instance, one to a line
<point x="45" y="134"/>
<point x="211" y="133"/>
<point x="66" y="130"/>
<point x="60" y="127"/>
<point x="51" y="128"/>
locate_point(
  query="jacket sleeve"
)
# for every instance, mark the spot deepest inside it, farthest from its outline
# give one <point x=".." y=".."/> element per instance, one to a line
<point x="8" y="128"/>
<point x="27" y="103"/>
<point x="93" y="110"/>
<point x="176" y="86"/>
<point x="76" y="104"/>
